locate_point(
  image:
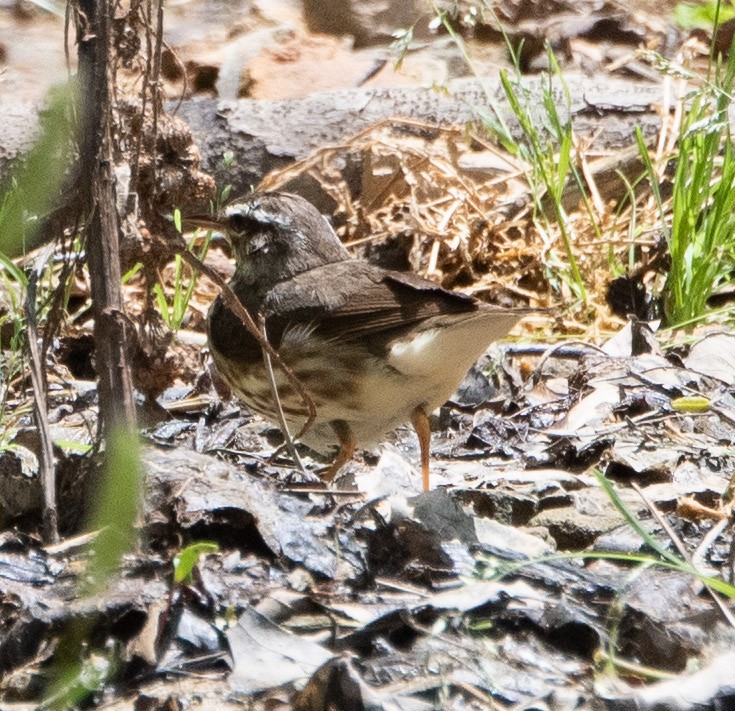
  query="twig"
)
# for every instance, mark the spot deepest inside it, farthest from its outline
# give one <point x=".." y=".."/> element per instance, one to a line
<point x="67" y="56"/>
<point x="233" y="304"/>
<point x="46" y="463"/>
<point x="708" y="541"/>
<point x="184" y="76"/>
<point x="562" y="351"/>
<point x="157" y="84"/>
<point x="553" y="350"/>
<point x="135" y="162"/>
<point x="679" y="545"/>
<point x="80" y="541"/>
<point x="306" y="489"/>
<point x="277" y="400"/>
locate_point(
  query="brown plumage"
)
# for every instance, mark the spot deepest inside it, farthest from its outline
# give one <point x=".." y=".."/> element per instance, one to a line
<point x="374" y="348"/>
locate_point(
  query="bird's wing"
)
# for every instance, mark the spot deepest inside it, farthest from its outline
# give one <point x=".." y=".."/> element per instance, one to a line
<point x="360" y="303"/>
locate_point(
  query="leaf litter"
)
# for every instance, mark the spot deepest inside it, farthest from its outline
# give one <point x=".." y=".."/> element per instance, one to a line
<point x="471" y="592"/>
<point x="374" y="594"/>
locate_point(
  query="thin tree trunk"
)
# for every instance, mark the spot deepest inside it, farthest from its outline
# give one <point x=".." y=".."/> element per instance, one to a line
<point x="112" y="330"/>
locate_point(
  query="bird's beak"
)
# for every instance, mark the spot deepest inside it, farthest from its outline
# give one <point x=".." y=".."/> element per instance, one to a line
<point x="205" y="222"/>
<point x="190" y="223"/>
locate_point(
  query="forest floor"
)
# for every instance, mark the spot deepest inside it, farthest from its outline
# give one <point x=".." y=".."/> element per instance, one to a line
<point x="576" y="548"/>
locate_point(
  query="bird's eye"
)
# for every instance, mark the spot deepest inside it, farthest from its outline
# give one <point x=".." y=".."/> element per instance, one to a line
<point x="238" y="223"/>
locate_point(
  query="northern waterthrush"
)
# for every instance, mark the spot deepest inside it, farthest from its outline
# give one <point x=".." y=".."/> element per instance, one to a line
<point x="374" y="348"/>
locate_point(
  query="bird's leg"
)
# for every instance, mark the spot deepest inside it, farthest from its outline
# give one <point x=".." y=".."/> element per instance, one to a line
<point x="420" y="421"/>
<point x="347" y="446"/>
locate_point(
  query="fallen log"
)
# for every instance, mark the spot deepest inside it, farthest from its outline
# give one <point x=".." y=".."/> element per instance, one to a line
<point x="264" y="135"/>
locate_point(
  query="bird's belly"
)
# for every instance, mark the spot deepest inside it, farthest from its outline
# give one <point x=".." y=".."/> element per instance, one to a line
<point x="371" y="397"/>
<point x="334" y="389"/>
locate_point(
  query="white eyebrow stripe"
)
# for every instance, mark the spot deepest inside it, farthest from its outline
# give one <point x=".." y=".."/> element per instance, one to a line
<point x="255" y="213"/>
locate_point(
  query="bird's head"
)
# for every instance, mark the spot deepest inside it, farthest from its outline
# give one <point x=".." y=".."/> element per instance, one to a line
<point x="276" y="235"/>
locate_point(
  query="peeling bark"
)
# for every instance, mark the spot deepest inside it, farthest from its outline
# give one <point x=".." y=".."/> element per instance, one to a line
<point x="112" y="330"/>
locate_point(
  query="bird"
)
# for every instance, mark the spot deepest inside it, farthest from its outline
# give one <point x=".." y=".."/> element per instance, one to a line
<point x="374" y="348"/>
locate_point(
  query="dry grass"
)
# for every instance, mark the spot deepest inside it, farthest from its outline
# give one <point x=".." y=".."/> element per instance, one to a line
<point x="461" y="211"/>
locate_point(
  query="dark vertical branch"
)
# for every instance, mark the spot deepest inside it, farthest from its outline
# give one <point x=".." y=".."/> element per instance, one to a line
<point x="38" y="381"/>
<point x="145" y="90"/>
<point x="112" y="330"/>
<point x="157" y="81"/>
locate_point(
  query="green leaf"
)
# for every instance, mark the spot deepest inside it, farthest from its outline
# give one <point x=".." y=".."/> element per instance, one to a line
<point x="702" y="15"/>
<point x="691" y="403"/>
<point x="70" y="445"/>
<point x="36" y="183"/>
<point x="131" y="272"/>
<point x="13" y="270"/>
<point x="116" y="505"/>
<point x="635" y="524"/>
<point x="185" y="561"/>
<point x="162" y="302"/>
